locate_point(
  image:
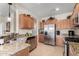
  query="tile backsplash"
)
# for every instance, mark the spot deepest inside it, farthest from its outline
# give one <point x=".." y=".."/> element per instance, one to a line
<point x="64" y="31"/>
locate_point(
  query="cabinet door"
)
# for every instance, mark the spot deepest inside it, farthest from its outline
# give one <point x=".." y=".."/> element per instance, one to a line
<point x="29" y="23"/>
<point x="70" y="23"/>
<point x="42" y="23"/>
<point x="26" y="22"/>
<point x="51" y="21"/>
<point x="59" y="41"/>
<point x="59" y="24"/>
<point x="21" y="20"/>
<point x="41" y="37"/>
<point x="64" y="24"/>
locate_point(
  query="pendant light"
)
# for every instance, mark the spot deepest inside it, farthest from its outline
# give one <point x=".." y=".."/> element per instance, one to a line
<point x="9" y="16"/>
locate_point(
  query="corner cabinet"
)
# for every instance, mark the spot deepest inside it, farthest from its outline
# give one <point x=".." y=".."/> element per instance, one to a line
<point x="42" y="23"/>
<point x="26" y="21"/>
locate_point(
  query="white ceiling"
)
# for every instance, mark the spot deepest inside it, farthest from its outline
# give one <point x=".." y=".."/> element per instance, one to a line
<point x="40" y="10"/>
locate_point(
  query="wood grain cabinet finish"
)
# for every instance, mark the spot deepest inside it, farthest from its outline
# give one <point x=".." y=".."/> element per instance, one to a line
<point x="65" y="24"/>
<point x="33" y="42"/>
<point x="24" y="52"/>
<point x="72" y="51"/>
<point x="59" y="41"/>
<point x="51" y="21"/>
<point x="41" y="38"/>
<point x="71" y="23"/>
<point x="59" y="24"/>
<point x="26" y="22"/>
<point x="42" y="25"/>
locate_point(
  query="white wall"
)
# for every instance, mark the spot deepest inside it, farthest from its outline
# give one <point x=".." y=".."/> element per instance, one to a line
<point x="60" y="16"/>
<point x="3" y="22"/>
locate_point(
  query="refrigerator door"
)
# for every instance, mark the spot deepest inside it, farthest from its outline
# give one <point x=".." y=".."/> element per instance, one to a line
<point x="50" y="29"/>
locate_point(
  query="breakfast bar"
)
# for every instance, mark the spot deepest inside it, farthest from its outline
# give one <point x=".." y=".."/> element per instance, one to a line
<point x="14" y="49"/>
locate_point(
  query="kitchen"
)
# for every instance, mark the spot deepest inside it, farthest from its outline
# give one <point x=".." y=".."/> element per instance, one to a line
<point x="30" y="28"/>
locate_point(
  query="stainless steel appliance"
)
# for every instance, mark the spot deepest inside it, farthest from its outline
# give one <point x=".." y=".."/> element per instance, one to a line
<point x="50" y="34"/>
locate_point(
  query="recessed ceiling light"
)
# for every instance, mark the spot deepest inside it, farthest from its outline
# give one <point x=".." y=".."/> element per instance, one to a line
<point x="57" y="9"/>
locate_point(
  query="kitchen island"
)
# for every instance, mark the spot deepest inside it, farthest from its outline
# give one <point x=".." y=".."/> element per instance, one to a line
<point x="14" y="49"/>
<point x="72" y="45"/>
<point x="73" y="49"/>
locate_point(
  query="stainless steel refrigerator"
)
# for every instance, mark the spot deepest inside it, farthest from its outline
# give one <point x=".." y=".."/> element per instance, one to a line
<point x="50" y="34"/>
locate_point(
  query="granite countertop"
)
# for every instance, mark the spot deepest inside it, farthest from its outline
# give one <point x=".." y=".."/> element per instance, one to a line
<point x="10" y="49"/>
<point x="66" y="35"/>
<point x="16" y="36"/>
<point x="75" y="46"/>
<point x="4" y="34"/>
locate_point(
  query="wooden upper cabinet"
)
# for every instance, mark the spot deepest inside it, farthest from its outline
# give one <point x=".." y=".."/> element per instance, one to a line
<point x="59" y="24"/>
<point x="21" y="20"/>
<point x="65" y="24"/>
<point x="71" y="23"/>
<point x="26" y="21"/>
<point x="51" y="21"/>
<point x="42" y="23"/>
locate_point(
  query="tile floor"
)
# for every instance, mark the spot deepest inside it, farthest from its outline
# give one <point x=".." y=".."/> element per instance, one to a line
<point x="47" y="50"/>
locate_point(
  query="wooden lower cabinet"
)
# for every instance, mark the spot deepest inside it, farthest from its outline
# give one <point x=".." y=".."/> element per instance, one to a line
<point x="41" y="37"/>
<point x="59" y="41"/>
<point x="33" y="42"/>
<point x="72" y="51"/>
<point x="24" y="52"/>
